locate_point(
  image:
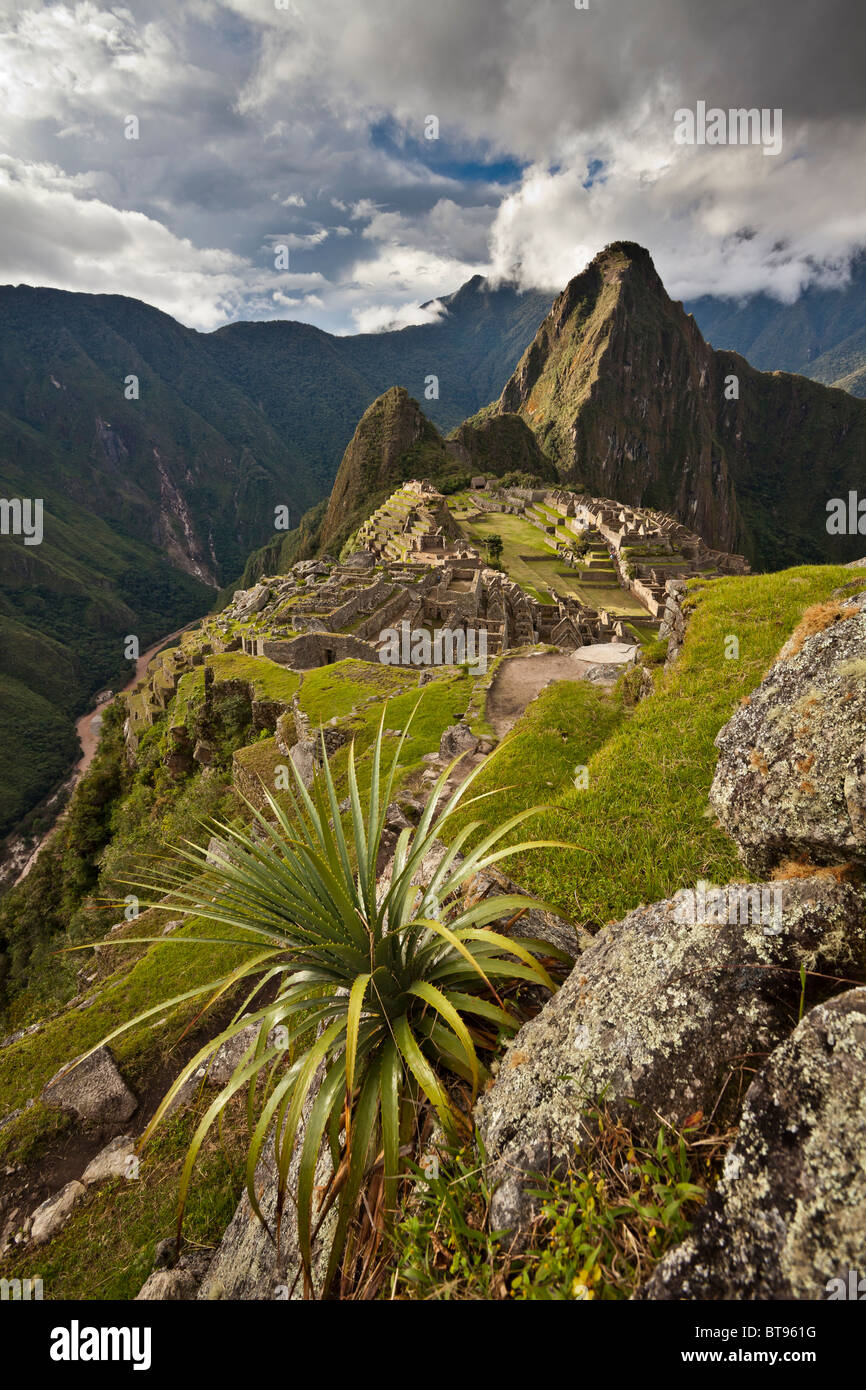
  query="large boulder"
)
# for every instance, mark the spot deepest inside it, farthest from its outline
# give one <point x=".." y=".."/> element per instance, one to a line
<point x="93" y="1089"/>
<point x="791" y="775"/>
<point x="788" y="1218"/>
<point x="661" y="1016"/>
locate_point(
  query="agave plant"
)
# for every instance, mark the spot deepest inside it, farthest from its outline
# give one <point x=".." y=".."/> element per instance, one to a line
<point x="383" y="993"/>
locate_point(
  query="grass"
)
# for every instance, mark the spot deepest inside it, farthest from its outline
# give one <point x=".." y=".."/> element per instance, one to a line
<point x="163" y="971"/>
<point x="107" y="1249"/>
<point x="563" y="728"/>
<point x="269" y="680"/>
<point x="600" y="1229"/>
<point x="338" y="689"/>
<point x="442" y="702"/>
<point x="641" y="829"/>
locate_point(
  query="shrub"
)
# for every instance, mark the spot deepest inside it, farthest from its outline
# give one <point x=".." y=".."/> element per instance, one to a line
<point x="379" y="999"/>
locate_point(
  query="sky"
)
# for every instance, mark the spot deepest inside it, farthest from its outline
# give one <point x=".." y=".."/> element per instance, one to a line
<point x="395" y="148"/>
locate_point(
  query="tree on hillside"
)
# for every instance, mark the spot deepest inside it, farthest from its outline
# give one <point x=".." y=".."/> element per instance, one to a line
<point x="494" y="550"/>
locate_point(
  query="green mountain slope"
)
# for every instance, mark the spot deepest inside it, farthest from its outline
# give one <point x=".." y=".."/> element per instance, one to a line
<point x="821" y="335"/>
<point x="153" y="503"/>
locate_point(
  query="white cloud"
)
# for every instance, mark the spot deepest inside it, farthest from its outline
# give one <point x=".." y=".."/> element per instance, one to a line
<point x="242" y="106"/>
<point x="718" y="220"/>
<point x="55" y="233"/>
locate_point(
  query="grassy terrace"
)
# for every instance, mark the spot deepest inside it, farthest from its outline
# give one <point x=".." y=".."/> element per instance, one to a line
<point x="335" y="691"/>
<point x="641" y="830"/>
<point x="537" y="567"/>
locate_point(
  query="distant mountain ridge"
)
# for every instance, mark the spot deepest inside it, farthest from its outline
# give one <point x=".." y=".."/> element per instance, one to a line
<point x="226" y="426"/>
<point x="821" y="335"/>
<point x="617" y="389"/>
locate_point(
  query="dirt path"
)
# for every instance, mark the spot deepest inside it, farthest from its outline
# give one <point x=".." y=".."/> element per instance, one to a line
<point x="520" y="679"/>
<point x="87" y="727"/>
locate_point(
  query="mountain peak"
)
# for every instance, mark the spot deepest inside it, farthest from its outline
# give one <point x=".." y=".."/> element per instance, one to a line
<point x="629" y="401"/>
<point x="393" y="441"/>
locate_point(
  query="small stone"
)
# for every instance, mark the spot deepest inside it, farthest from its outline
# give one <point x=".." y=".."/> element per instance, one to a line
<point x="50" y="1218"/>
<point x="111" y="1162"/>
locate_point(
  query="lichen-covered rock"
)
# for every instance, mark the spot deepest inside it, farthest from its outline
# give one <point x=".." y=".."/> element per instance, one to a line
<point x="660" y="1016"/>
<point x="93" y="1089"/>
<point x="789" y="1214"/>
<point x="457" y="739"/>
<point x="791" y="775"/>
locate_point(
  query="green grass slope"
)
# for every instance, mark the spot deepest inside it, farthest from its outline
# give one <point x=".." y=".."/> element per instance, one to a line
<point x="640" y="830"/>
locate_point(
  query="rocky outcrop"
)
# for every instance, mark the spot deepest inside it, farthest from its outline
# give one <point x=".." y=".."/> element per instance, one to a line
<point x="93" y="1089"/>
<point x="791" y="777"/>
<point x="788" y="1218"/>
<point x="658" y="1017"/>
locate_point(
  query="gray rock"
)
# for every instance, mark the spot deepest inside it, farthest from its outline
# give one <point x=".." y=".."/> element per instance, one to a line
<point x="658" y="1016"/>
<point x="224" y="1062"/>
<point x="173" y="1285"/>
<point x="93" y="1089"/>
<point x="395" y="818"/>
<point x="457" y="739"/>
<point x="789" y="1214"/>
<point x="216" y="851"/>
<point x="50" y="1218"/>
<point x="303" y="755"/>
<point x="791" y="776"/>
<point x="246" y="1264"/>
<point x="111" y="1162"/>
<point x="246" y="602"/>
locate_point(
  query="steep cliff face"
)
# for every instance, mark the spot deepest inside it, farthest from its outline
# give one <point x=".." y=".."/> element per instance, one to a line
<point x="625" y="395"/>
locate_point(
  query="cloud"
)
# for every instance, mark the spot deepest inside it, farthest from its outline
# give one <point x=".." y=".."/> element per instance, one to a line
<point x="718" y="220"/>
<point x="55" y="233"/>
<point x="260" y="125"/>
